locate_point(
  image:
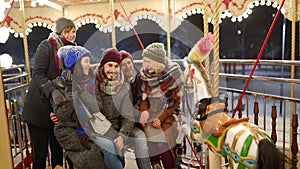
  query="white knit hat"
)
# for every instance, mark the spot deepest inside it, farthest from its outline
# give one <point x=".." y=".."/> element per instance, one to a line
<point x="156" y="54"/>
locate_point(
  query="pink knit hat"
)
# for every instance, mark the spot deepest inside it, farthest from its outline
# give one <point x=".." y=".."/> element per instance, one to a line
<point x="110" y="55"/>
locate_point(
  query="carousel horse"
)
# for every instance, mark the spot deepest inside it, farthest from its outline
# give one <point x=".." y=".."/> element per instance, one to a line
<point x="244" y="144"/>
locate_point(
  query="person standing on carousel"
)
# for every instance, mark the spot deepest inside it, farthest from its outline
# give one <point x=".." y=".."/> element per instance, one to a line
<point x="37" y="106"/>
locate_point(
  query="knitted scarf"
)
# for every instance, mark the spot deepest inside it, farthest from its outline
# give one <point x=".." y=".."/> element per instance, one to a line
<point x="84" y="128"/>
<point x="57" y="42"/>
<point x="109" y="87"/>
<point x="167" y="84"/>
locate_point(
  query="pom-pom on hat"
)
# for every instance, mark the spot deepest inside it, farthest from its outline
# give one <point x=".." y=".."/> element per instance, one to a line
<point x="156" y="53"/>
<point x="72" y="54"/>
<point x="110" y="55"/>
<point x="125" y="55"/>
<point x="62" y="23"/>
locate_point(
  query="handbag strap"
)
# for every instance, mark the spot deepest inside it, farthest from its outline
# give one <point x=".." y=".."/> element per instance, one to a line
<point x="86" y="110"/>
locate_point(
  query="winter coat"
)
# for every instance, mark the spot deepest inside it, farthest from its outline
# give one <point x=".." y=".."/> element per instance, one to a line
<point x="136" y="95"/>
<point x="80" y="148"/>
<point x="168" y="122"/>
<point x="37" y="105"/>
<point x="118" y="110"/>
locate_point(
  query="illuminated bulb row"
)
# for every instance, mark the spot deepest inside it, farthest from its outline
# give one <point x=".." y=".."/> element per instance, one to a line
<point x="153" y="18"/>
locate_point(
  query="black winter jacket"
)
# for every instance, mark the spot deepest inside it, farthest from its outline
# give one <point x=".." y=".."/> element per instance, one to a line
<point x="37" y="105"/>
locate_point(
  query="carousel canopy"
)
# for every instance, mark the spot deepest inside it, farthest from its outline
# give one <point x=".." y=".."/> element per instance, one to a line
<point x="44" y="12"/>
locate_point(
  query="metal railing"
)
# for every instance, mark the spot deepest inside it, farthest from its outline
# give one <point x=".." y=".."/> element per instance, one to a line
<point x="282" y="125"/>
<point x="15" y="85"/>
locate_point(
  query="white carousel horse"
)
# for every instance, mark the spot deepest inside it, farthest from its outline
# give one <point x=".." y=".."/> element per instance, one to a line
<point x="197" y="85"/>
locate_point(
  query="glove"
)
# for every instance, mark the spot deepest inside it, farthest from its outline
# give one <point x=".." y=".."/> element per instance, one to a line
<point x="67" y="75"/>
<point x="59" y="83"/>
<point x="58" y="97"/>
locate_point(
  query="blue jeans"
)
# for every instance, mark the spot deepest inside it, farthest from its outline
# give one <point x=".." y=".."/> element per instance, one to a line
<point x="110" y="155"/>
<point x="138" y="138"/>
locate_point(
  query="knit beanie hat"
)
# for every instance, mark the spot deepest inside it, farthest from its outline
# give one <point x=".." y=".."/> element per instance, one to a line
<point x="62" y="23"/>
<point x="72" y="54"/>
<point x="156" y="54"/>
<point x="110" y="55"/>
<point x="125" y="55"/>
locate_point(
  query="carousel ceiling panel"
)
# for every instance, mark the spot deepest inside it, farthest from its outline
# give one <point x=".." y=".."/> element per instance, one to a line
<point x="99" y="12"/>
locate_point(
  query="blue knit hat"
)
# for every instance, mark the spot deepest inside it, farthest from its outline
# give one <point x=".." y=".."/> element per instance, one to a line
<point x="72" y="54"/>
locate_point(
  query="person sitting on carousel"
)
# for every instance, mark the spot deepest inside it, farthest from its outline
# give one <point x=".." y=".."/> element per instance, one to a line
<point x="71" y="129"/>
<point x="161" y="93"/>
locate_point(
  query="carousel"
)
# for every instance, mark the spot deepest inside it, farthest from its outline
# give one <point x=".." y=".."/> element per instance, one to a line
<point x="117" y="22"/>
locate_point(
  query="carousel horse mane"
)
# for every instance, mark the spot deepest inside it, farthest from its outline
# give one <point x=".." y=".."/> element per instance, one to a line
<point x="243" y="143"/>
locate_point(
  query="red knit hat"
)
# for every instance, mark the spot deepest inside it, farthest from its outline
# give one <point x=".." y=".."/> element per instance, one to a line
<point x="125" y="54"/>
<point x="110" y="55"/>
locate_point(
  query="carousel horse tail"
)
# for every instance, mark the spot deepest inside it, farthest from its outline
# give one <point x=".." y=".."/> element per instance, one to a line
<point x="271" y="157"/>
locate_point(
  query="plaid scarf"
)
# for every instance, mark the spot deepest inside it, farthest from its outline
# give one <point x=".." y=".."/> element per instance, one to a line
<point x="166" y="84"/>
<point x="109" y="87"/>
<point x="84" y="128"/>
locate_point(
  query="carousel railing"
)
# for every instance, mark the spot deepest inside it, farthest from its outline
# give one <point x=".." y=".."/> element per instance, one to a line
<point x="15" y="85"/>
<point x="282" y="125"/>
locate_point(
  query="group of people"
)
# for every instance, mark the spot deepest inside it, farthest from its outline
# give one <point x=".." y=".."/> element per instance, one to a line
<point x="139" y="104"/>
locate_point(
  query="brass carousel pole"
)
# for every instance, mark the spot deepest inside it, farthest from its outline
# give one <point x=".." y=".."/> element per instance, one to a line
<point x="293" y="116"/>
<point x="169" y="17"/>
<point x="216" y="47"/>
<point x="113" y="30"/>
<point x="27" y="63"/>
<point x="215" y="160"/>
<point x="5" y="147"/>
<point x="206" y="30"/>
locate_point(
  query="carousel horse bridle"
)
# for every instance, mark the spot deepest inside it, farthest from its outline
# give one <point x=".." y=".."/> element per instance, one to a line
<point x="200" y="113"/>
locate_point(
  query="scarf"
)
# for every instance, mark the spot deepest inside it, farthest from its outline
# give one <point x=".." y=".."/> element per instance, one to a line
<point x="56" y="42"/>
<point x="84" y="127"/>
<point x="166" y="84"/>
<point x="109" y="87"/>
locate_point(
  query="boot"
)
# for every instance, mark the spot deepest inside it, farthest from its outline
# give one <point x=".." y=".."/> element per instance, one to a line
<point x="143" y="163"/>
<point x="156" y="166"/>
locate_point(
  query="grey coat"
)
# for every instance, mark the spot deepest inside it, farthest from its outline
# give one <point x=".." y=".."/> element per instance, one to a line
<point x="118" y="110"/>
<point x="83" y="152"/>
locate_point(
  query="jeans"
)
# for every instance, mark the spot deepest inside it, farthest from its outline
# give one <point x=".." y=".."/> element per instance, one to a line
<point x="40" y="139"/>
<point x="110" y="155"/>
<point x="138" y="138"/>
